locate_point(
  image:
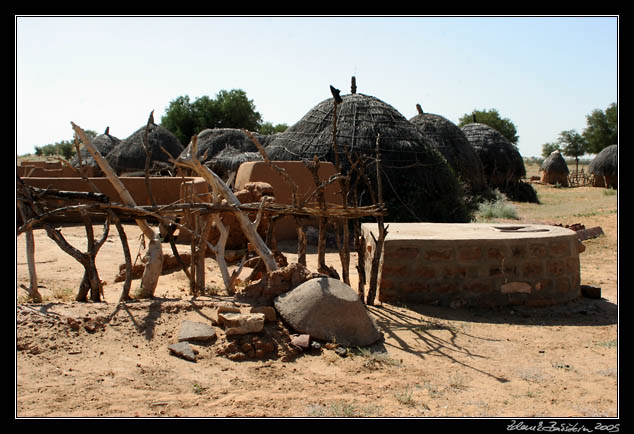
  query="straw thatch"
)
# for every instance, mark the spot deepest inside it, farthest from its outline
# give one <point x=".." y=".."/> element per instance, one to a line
<point x="503" y="164"/>
<point x="452" y="143"/>
<point x="212" y="141"/>
<point x="605" y="167"/>
<point x="555" y="170"/>
<point x="130" y="155"/>
<point x="418" y="185"/>
<point x="104" y="143"/>
<point x="224" y="149"/>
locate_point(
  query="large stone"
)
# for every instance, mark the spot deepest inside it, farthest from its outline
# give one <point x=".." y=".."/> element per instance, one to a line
<point x="329" y="310"/>
<point x="195" y="331"/>
<point x="184" y="350"/>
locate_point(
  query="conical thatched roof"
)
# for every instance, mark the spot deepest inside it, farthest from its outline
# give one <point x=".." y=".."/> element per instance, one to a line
<point x="606" y="163"/>
<point x="230" y="159"/>
<point x="418" y="185"/>
<point x="104" y="143"/>
<point x="452" y="143"/>
<point x="502" y="162"/>
<point x="500" y="159"/>
<point x="130" y="154"/>
<point x="212" y="141"/>
<point x="555" y="163"/>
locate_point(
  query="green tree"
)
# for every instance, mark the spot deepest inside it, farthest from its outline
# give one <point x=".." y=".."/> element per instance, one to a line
<point x="229" y="109"/>
<point x="493" y="119"/>
<point x="549" y="148"/>
<point x="268" y="128"/>
<point x="64" y="148"/>
<point x="573" y="144"/>
<point x="602" y="129"/>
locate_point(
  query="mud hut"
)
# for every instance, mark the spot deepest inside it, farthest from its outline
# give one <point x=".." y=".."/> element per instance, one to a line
<point x="224" y="149"/>
<point x="452" y="143"/>
<point x="503" y="164"/>
<point x="129" y="155"/>
<point x="418" y="185"/>
<point x="104" y="143"/>
<point x="555" y="170"/>
<point x="605" y="168"/>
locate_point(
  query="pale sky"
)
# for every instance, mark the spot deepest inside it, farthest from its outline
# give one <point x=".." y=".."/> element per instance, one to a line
<point x="544" y="73"/>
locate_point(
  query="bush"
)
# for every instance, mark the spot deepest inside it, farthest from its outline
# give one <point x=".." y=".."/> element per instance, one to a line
<point x="497" y="209"/>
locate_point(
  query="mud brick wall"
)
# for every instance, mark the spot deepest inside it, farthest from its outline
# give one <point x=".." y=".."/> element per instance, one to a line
<point x="532" y="268"/>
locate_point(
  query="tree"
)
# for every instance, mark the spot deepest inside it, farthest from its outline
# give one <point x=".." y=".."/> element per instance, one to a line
<point x="549" y="148"/>
<point x="268" y="128"/>
<point x="573" y="143"/>
<point x="493" y="119"/>
<point x="65" y="148"/>
<point x="229" y="109"/>
<point x="602" y="129"/>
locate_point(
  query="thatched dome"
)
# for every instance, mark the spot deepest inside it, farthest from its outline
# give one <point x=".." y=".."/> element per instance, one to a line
<point x="129" y="156"/>
<point x="452" y="143"/>
<point x="502" y="162"/>
<point x="212" y="141"/>
<point x="605" y="167"/>
<point x="555" y="170"/>
<point x="418" y="185"/>
<point x="104" y="143"/>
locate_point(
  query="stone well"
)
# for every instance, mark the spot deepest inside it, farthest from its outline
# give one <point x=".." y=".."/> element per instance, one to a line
<point x="473" y="264"/>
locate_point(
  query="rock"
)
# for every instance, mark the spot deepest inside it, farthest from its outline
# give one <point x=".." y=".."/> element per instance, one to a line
<point x="329" y="310"/>
<point x="242" y="323"/>
<point x="184" y="350"/>
<point x="268" y="311"/>
<point x="341" y="351"/>
<point x="215" y="313"/>
<point x="279" y="281"/>
<point x="195" y="331"/>
<point x="301" y="341"/>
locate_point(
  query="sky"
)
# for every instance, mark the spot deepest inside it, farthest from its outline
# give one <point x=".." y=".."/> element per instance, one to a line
<point x="544" y="73"/>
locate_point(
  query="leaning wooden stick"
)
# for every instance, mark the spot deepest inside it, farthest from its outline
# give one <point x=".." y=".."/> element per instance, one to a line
<point x="191" y="161"/>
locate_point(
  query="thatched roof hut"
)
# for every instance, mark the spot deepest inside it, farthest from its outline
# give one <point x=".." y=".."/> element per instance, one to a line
<point x="605" y="167"/>
<point x="418" y="185"/>
<point x="104" y="143"/>
<point x="555" y="170"/>
<point x="452" y="143"/>
<point x="502" y="162"/>
<point x="212" y="141"/>
<point x="129" y="155"/>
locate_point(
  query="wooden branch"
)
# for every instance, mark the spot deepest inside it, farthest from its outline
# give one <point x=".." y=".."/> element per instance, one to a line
<point x="219" y="186"/>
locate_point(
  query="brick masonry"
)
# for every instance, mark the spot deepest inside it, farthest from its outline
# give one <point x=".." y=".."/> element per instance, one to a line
<point x="476" y="264"/>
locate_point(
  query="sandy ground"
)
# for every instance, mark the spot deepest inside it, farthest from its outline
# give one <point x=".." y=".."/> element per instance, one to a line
<point x="85" y="360"/>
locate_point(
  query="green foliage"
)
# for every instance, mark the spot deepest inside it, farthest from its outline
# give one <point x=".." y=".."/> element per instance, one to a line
<point x="65" y="148"/>
<point x="574" y="144"/>
<point x="230" y="109"/>
<point x="268" y="128"/>
<point x="602" y="129"/>
<point x="493" y="119"/>
<point x="498" y="208"/>
<point x="549" y="148"/>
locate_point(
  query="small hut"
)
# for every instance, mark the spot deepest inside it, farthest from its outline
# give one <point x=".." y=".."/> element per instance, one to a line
<point x="503" y="164"/>
<point x="418" y="185"/>
<point x="224" y="149"/>
<point x="104" y="143"/>
<point x="452" y="143"/>
<point x="130" y="155"/>
<point x="605" y="168"/>
<point x="555" y="170"/>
